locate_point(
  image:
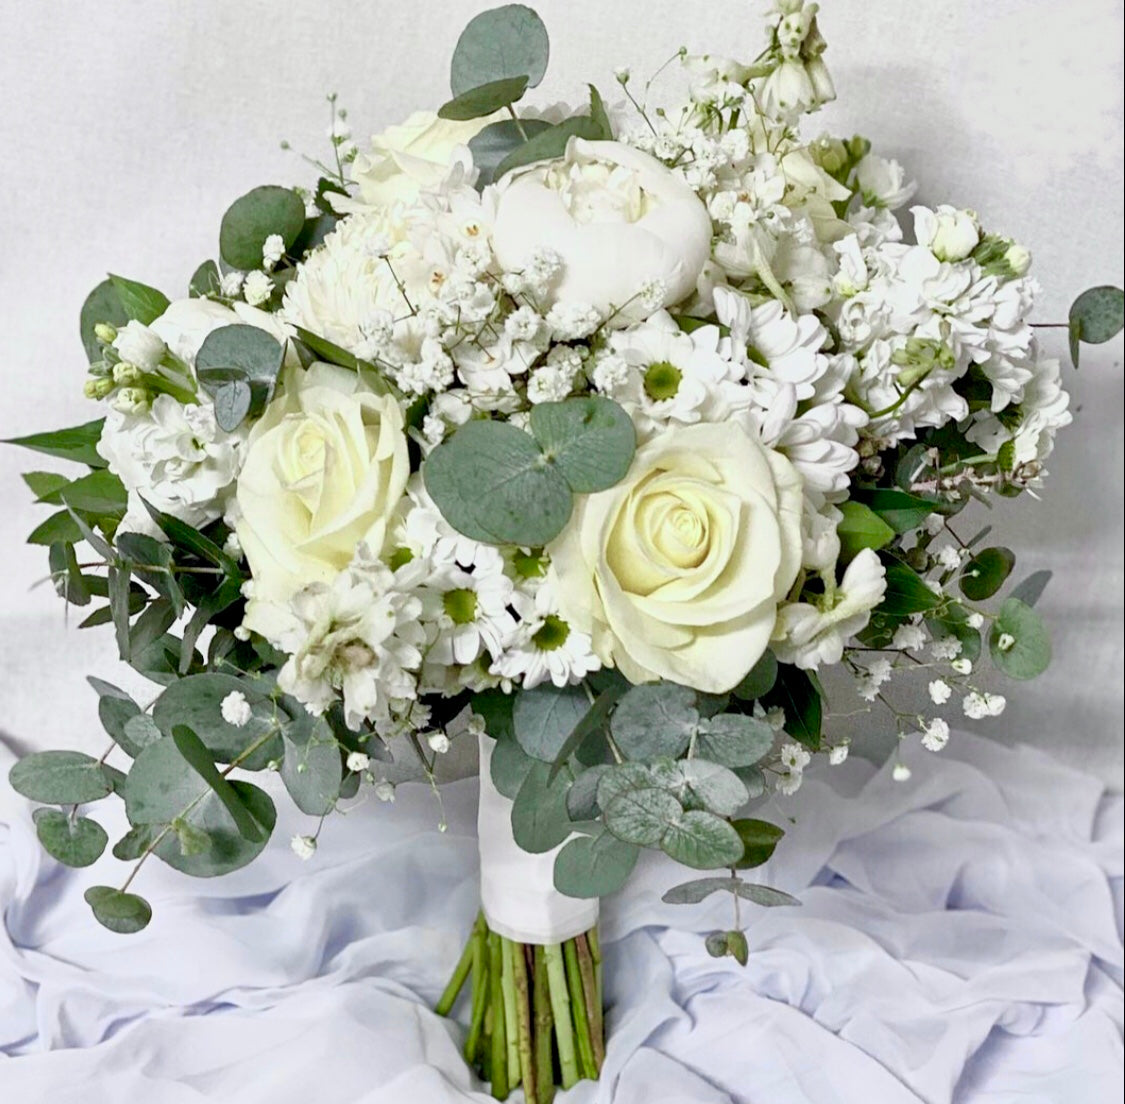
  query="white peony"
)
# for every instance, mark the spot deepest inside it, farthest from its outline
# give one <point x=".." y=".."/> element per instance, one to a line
<point x="678" y="570"/>
<point x="616" y="218"/>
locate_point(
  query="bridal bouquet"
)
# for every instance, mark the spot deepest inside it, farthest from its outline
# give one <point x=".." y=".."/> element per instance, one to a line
<point x="592" y="434"/>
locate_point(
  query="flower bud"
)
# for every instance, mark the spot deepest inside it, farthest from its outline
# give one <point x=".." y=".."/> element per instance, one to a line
<point x="950" y="234"/>
<point x="126" y="374"/>
<point x="131" y="400"/>
<point x="97" y="387"/>
<point x="105" y="333"/>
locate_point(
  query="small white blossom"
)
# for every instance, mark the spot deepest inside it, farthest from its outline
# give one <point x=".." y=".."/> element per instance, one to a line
<point x="837" y="754"/>
<point x="789" y="782"/>
<point x="1005" y="642"/>
<point x="949" y="557"/>
<point x="273" y="249"/>
<point x="940" y="691"/>
<point x="236" y="709"/>
<point x="910" y="638"/>
<point x="573" y="321"/>
<point x="869" y="683"/>
<point x="257" y="288"/>
<point x="948" y="647"/>
<point x="523" y="324"/>
<point x="901" y="772"/>
<point x="775" y="718"/>
<point x="231" y="284"/>
<point x="794" y="757"/>
<point x="385" y="791"/>
<point x="438" y="742"/>
<point x="962" y="666"/>
<point x="475" y="726"/>
<point x="232" y="546"/>
<point x="357" y="761"/>
<point x="935" y="734"/>
<point x="976" y="620"/>
<point x="304" y="847"/>
<point x="653" y="295"/>
<point x="622" y="74"/>
<point x="934" y="524"/>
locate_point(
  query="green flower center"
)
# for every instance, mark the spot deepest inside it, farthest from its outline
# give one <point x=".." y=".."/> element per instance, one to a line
<point x="552" y="635"/>
<point x="460" y="605"/>
<point x="528" y="565"/>
<point x="662" y="380"/>
<point x="400" y="557"/>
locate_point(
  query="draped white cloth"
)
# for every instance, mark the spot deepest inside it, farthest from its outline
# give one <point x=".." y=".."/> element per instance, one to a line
<point x="960" y="940"/>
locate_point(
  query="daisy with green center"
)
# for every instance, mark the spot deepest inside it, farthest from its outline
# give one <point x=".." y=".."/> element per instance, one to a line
<point x="545" y="646"/>
<point x="469" y="612"/>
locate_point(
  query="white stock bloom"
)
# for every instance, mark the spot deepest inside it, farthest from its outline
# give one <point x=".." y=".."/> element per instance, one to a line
<point x="173" y="456"/>
<point x="235" y="709"/>
<point x="616" y="218"/>
<point x="136" y="344"/>
<point x="810" y="635"/>
<point x="883" y="183"/>
<point x="950" y="234"/>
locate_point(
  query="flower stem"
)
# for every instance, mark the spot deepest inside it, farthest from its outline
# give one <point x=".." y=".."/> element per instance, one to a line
<point x="499" y="1047"/>
<point x="579" y="1012"/>
<point x="596" y="955"/>
<point x="560" y="1008"/>
<point x="460" y="972"/>
<point x="593" y="1000"/>
<point x="480" y="995"/>
<point x="544" y="1061"/>
<point x="511" y="1016"/>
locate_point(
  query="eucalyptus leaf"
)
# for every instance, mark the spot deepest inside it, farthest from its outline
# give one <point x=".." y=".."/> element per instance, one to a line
<point x="539" y="817"/>
<point x="759" y="838"/>
<point x="798" y="696"/>
<point x="549" y="144"/>
<point x="642" y="816"/>
<point x="205" y="280"/>
<point x="593" y="722"/>
<point x="123" y="913"/>
<point x="504" y="42"/>
<point x="100" y="492"/>
<point x="702" y="840"/>
<point x="102" y="305"/>
<point x="699" y="784"/>
<point x="199" y="759"/>
<point x="986" y="573"/>
<point x="136" y="842"/>
<point x="59" y="528"/>
<point x="954" y="621"/>
<point x="312" y="769"/>
<point x="590" y="440"/>
<point x="759" y="680"/>
<point x="510" y="767"/>
<point x="254" y="217"/>
<point x="60" y="778"/>
<point x="655" y="720"/>
<point x="485" y="99"/>
<point x="594" y="866"/>
<point x="545" y="716"/>
<point x="734" y="739"/>
<point x="1019" y="642"/>
<point x="237" y="366"/>
<point x="76" y="841"/>
<point x="620" y="778"/>
<point x="582" y="797"/>
<point x="497" y="140"/>
<point x="1096" y="316"/>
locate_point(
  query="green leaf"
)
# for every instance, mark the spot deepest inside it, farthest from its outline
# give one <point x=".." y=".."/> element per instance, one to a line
<point x="759" y="838"/>
<point x="986" y="573"/>
<point x="906" y="592"/>
<point x="238" y="367"/>
<point x="594" y="866"/>
<point x="497" y="140"/>
<point x="45" y="485"/>
<point x="199" y="759"/>
<point x="734" y="739"/>
<point x="582" y="797"/>
<point x="691" y="893"/>
<point x="1019" y="642"/>
<point x="123" y="913"/>
<point x="760" y="679"/>
<point x="716" y="944"/>
<point x="799" y="697"/>
<point x="901" y="511"/>
<point x="599" y="115"/>
<point x="115" y="708"/>
<point x="545" y="717"/>
<point x="152" y="562"/>
<point x="641" y="816"/>
<point x="101" y="493"/>
<point x="590" y="440"/>
<point x="702" y="840"/>
<point x="151" y="625"/>
<point x="1096" y="316"/>
<point x="70" y="584"/>
<point x="510" y="41"/>
<point x="327" y="351"/>
<point x="492" y="483"/>
<point x="954" y="621"/>
<point x="539" y="817"/>
<point x="103" y="304"/>
<point x="74" y="842"/>
<point x="861" y="528"/>
<point x="737" y="947"/>
<point x="60" y="778"/>
<point x="136" y="842"/>
<point x="592" y="722"/>
<point x="190" y="539"/>
<point x="510" y="767"/>
<point x="655" y="720"/>
<point x="485" y="99"/>
<point x="620" y="778"/>
<point x="549" y="144"/>
<point x="1074" y="340"/>
<point x="196" y="701"/>
<point x="205" y="280"/>
<point x="495" y="708"/>
<point x="254" y="217"/>
<point x="699" y="784"/>
<point x="142" y="303"/>
<point x="78" y="443"/>
<point x="1030" y="590"/>
<point x="312" y="769"/>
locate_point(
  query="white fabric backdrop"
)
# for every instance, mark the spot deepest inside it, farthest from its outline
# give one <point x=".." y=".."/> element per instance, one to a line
<point x="129" y="126"/>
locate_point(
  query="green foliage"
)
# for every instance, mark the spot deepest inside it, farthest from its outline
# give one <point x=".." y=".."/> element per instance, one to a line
<point x="702" y="840"/>
<point x="1096" y="316"/>
<point x="486" y="99"/>
<point x="907" y="592"/>
<point x="123" y="913"/>
<point x="141" y="303"/>
<point x="1019" y="642"/>
<point x="497" y="140"/>
<point x="734" y="739"/>
<point x="953" y="620"/>
<point x="550" y="143"/>
<point x="592" y="724"/>
<point x="60" y="778"/>
<point x="901" y="511"/>
<point x="654" y="720"/>
<point x="77" y="443"/>
<point x="642" y="815"/>
<point x="759" y="839"/>
<point x="74" y="841"/>
<point x="799" y="696"/>
<point x="254" y="217"/>
<point x="103" y="304"/>
<point x="199" y="759"/>
<point x="544" y="718"/>
<point x="861" y="528"/>
<point x="699" y="889"/>
<point x="986" y="573"/>
<point x="510" y="767"/>
<point x="759" y="680"/>
<point x="594" y="866"/>
<point x="502" y="43"/>
<point x="590" y="440"/>
<point x="700" y="784"/>
<point x="205" y="280"/>
<point x="539" y="817"/>
<point x="238" y="367"/>
<point x="100" y="493"/>
<point x="312" y="769"/>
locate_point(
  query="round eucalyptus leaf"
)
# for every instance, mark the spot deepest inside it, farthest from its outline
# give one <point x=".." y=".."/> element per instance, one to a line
<point x="594" y="866"/>
<point x="497" y="140"/>
<point x="986" y="573"/>
<point x="539" y="817"/>
<point x="655" y="720"/>
<point x="492" y="483"/>
<point x="734" y="739"/>
<point x="252" y="218"/>
<point x="232" y="403"/>
<point x="77" y="842"/>
<point x="590" y="440"/>
<point x="621" y="778"/>
<point x="486" y="99"/>
<point x="124" y="913"/>
<point x="510" y="766"/>
<point x="60" y="778"/>
<point x="759" y="680"/>
<point x="699" y="784"/>
<point x="1019" y="642"/>
<point x="312" y="769"/>
<point x="545" y="716"/>
<point x="103" y="304"/>
<point x="641" y="816"/>
<point x="703" y="841"/>
<point x="582" y="797"/>
<point x="510" y="41"/>
<point x="1099" y="314"/>
<point x="759" y="839"/>
<point x="716" y="944"/>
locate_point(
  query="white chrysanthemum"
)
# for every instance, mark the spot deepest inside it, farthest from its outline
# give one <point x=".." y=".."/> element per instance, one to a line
<point x="468" y="611"/>
<point x="810" y="635"/>
<point x="545" y="646"/>
<point x="175" y="457"/>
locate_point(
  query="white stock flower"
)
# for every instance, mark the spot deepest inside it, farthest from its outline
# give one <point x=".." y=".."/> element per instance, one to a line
<point x="883" y="183"/>
<point x="617" y="219"/>
<point x="136" y="344"/>
<point x="186" y="324"/>
<point x="950" y="234"/>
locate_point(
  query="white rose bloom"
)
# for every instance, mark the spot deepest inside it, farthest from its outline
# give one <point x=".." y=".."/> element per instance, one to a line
<point x="950" y="234"/>
<point x="325" y="468"/>
<point x="617" y="219"/>
<point x="882" y="183"/>
<point x="678" y="570"/>
<point x="409" y="158"/>
<point x="137" y="344"/>
<point x="175" y="457"/>
<point x="811" y="635"/>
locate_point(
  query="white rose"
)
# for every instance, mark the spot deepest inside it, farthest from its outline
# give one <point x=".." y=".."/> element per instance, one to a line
<point x="950" y="234"/>
<point x="678" y="570"/>
<point x="325" y="468"/>
<point x="409" y="158"/>
<point x="617" y="219"/>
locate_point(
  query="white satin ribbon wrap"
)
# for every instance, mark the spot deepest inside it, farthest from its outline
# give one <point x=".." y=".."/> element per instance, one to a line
<point x="517" y="890"/>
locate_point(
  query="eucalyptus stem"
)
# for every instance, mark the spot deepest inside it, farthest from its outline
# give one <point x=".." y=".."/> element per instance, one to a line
<point x="508" y="986"/>
<point x="499" y="1047"/>
<point x="544" y="1018"/>
<point x="579" y="1013"/>
<point x="560" y="1008"/>
<point x="523" y="1022"/>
